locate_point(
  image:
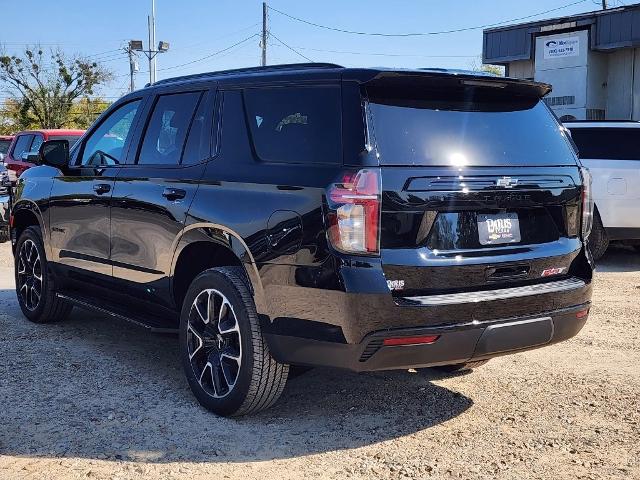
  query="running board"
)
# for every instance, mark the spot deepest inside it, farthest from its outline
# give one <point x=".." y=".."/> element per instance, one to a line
<point x="153" y="325"/>
<point x="490" y="295"/>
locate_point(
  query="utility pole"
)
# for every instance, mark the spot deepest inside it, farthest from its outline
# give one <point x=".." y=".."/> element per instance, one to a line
<point x="604" y="4"/>
<point x="133" y="62"/>
<point x="152" y="43"/>
<point x="264" y="34"/>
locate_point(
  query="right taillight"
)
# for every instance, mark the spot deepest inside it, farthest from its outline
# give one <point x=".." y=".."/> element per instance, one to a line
<point x="587" y="203"/>
<point x="354" y="213"/>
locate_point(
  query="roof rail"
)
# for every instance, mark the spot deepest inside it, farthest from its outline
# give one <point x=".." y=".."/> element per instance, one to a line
<point x="269" y="68"/>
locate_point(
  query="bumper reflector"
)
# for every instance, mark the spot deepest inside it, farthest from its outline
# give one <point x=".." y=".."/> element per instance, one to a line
<point x="424" y="340"/>
<point x="582" y="313"/>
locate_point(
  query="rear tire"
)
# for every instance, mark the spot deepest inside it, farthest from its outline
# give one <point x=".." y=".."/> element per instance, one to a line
<point x="460" y="367"/>
<point x="598" y="240"/>
<point x="34" y="283"/>
<point x="224" y="354"/>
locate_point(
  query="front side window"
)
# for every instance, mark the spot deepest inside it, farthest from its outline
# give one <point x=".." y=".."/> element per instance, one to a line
<point x="37" y="141"/>
<point x="72" y="139"/>
<point x="106" y="144"/>
<point x="167" y="130"/>
<point x="23" y="142"/>
<point x="295" y="125"/>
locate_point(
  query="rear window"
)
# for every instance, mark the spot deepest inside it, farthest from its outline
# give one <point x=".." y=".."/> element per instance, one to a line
<point x="72" y="139"/>
<point x="463" y="129"/>
<point x="295" y="125"/>
<point x="607" y="143"/>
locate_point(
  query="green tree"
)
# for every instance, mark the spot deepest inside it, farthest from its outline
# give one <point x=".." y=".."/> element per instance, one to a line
<point x="48" y="94"/>
<point x="478" y="66"/>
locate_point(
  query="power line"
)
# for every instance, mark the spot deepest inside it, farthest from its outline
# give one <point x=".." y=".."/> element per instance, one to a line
<point x="419" y="34"/>
<point x="290" y="48"/>
<point x="378" y="54"/>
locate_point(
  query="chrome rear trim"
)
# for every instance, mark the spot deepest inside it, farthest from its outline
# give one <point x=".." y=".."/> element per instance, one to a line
<point x="490" y="295"/>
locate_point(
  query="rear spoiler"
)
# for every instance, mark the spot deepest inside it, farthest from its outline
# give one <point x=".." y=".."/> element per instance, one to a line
<point x="444" y="79"/>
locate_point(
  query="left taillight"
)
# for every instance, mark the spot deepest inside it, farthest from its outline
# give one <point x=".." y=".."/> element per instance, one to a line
<point x="354" y="213"/>
<point x="587" y="203"/>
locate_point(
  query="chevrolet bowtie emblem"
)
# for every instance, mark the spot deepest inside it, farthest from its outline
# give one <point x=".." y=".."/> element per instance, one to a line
<point x="507" y="182"/>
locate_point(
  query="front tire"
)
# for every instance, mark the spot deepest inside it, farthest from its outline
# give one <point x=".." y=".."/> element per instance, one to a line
<point x="34" y="283"/>
<point x="224" y="354"/>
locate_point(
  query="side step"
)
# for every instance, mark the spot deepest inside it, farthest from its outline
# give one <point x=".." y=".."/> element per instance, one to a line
<point x="153" y="324"/>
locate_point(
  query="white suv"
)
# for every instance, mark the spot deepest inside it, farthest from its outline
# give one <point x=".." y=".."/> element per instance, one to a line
<point x="611" y="151"/>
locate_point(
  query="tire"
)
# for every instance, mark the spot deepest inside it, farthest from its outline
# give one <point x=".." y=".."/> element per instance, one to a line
<point x="35" y="286"/>
<point x="224" y="354"/>
<point x="598" y="240"/>
<point x="460" y="367"/>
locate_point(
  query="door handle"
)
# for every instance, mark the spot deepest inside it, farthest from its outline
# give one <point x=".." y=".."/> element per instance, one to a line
<point x="174" y="193"/>
<point x="101" y="188"/>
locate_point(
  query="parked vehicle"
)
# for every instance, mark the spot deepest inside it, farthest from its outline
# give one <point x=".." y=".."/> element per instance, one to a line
<point x="611" y="152"/>
<point x="314" y="215"/>
<point x="5" y="202"/>
<point x="5" y="142"/>
<point x="24" y="147"/>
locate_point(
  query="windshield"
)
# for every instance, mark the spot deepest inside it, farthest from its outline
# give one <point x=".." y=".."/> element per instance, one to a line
<point x="459" y="131"/>
<point x="72" y="139"/>
<point x="4" y="146"/>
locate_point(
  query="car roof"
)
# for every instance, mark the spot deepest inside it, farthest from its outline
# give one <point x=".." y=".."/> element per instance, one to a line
<point x="602" y="124"/>
<point x="55" y="131"/>
<point x="328" y="71"/>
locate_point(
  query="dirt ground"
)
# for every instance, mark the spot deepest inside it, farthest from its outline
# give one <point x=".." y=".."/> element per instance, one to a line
<point x="95" y="398"/>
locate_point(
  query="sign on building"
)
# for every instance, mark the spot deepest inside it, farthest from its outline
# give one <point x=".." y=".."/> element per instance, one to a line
<point x="562" y="47"/>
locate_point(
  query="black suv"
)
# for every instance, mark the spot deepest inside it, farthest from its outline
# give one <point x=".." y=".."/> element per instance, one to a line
<point x="311" y="214"/>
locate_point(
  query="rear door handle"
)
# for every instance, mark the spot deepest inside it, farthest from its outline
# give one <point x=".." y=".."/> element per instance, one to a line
<point x="101" y="188"/>
<point x="174" y="193"/>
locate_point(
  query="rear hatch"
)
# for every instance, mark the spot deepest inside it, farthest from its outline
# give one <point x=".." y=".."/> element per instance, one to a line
<point x="480" y="186"/>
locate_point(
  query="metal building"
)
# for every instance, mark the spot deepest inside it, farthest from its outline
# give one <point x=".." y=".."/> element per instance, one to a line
<point x="592" y="60"/>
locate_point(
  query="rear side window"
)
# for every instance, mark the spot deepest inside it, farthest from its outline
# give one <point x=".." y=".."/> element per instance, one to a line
<point x="167" y="130"/>
<point x="72" y="139"/>
<point x="4" y="146"/>
<point x="466" y="129"/>
<point x="295" y="125"/>
<point x="23" y="142"/>
<point x="607" y="143"/>
<point x="198" y="146"/>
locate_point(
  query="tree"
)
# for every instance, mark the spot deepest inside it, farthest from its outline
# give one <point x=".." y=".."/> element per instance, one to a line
<point x="46" y="94"/>
<point x="478" y="66"/>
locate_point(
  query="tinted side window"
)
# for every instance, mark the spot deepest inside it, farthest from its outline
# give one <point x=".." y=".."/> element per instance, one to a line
<point x="165" y="136"/>
<point x="198" y="146"/>
<point x="295" y="125"/>
<point x="23" y="142"/>
<point x="607" y="143"/>
<point x="105" y="145"/>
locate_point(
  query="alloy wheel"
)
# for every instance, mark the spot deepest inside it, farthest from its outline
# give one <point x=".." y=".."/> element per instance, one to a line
<point x="214" y="343"/>
<point x="29" y="275"/>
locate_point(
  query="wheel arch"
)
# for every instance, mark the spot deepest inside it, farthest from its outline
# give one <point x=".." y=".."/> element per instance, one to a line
<point x="26" y="213"/>
<point x="206" y="245"/>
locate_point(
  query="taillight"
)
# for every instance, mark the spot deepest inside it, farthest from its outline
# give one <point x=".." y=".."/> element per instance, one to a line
<point x="587" y="203"/>
<point x="354" y="213"/>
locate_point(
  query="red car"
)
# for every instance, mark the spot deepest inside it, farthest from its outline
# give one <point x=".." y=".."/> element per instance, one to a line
<point x="29" y="141"/>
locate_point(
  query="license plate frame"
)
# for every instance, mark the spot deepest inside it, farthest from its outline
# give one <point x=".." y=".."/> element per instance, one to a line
<point x="498" y="228"/>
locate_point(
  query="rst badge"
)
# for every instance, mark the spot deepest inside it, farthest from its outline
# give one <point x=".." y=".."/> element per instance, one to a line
<point x="507" y="182"/>
<point x="395" y="284"/>
<point x="548" y="272"/>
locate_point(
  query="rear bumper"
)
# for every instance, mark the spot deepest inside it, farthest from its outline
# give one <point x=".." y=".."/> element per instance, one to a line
<point x="457" y="343"/>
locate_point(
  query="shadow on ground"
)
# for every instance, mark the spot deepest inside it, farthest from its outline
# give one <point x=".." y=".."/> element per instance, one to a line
<point x="619" y="259"/>
<point x="96" y="388"/>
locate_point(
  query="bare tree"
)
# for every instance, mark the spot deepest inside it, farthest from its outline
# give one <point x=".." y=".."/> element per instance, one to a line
<point x="46" y="93"/>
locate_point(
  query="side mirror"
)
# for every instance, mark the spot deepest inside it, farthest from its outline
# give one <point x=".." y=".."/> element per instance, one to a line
<point x="54" y="153"/>
<point x="31" y="157"/>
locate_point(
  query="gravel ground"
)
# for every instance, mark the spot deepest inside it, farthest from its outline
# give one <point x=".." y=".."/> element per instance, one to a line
<point x="95" y="398"/>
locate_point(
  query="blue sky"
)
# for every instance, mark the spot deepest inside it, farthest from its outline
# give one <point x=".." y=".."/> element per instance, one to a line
<point x="199" y="28"/>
